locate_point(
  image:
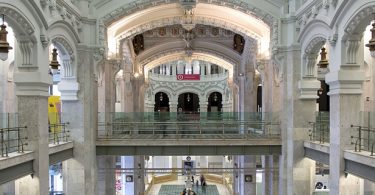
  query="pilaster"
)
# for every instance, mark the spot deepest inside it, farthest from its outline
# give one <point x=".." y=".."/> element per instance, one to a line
<point x="32" y="94"/>
<point x="296" y="171"/>
<point x="106" y="175"/>
<point x="345" y="99"/>
<point x="80" y="173"/>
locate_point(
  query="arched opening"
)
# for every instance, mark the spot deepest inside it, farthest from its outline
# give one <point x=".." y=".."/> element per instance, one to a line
<point x="215" y="102"/>
<point x="259" y="98"/>
<point x="188" y="103"/>
<point x="161" y="102"/>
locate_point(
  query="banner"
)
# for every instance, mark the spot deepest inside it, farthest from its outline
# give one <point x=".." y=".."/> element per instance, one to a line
<point x="188" y="76"/>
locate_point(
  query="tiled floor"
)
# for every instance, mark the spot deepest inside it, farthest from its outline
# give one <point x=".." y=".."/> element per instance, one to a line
<point x="176" y="187"/>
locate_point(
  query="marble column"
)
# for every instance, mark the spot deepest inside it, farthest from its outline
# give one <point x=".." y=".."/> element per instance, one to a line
<point x="173" y="105"/>
<point x="296" y="171"/>
<point x="106" y="175"/>
<point x="369" y="187"/>
<point x="346" y="101"/>
<point x="139" y="177"/>
<point x="32" y="93"/>
<point x="270" y="178"/>
<point x="80" y="172"/>
<point x="248" y="177"/>
<point x="8" y="188"/>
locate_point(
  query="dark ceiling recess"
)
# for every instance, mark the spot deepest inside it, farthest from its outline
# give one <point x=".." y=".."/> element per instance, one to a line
<point x="138" y="44"/>
<point x="238" y="43"/>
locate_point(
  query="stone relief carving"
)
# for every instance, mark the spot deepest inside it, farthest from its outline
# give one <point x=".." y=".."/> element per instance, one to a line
<point x="278" y="64"/>
<point x="26" y="47"/>
<point x="98" y="53"/>
<point x="362" y="15"/>
<point x="130" y="8"/>
<point x="44" y="40"/>
<point x="176" y="20"/>
<point x="22" y="21"/>
<point x="66" y="46"/>
<point x="352" y="51"/>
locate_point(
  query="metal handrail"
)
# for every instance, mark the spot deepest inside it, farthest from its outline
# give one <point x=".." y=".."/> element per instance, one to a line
<point x="260" y="128"/>
<point x="361" y="142"/>
<point x="319" y="134"/>
<point x="58" y="135"/>
<point x="6" y="142"/>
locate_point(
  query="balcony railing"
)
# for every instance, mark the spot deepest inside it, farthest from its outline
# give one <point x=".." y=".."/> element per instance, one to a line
<point x="363" y="137"/>
<point x="58" y="133"/>
<point x="211" y="77"/>
<point x="182" y="125"/>
<point x="320" y="128"/>
<point x="12" y="137"/>
<point x="57" y="128"/>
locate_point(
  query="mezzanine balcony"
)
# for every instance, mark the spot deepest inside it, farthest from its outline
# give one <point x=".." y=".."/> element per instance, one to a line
<point x="188" y="133"/>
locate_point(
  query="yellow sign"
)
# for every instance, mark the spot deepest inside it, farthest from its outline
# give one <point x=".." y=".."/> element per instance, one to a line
<point x="54" y="113"/>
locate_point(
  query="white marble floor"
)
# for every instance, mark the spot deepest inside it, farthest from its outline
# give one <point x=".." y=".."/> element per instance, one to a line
<point x="181" y="181"/>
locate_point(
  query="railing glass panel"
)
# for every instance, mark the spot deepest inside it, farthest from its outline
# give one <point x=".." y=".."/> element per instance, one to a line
<point x="238" y="125"/>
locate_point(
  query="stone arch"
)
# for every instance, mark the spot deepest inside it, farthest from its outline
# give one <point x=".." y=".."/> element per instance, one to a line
<point x="314" y="36"/>
<point x="67" y="28"/>
<point x="311" y="53"/>
<point x="20" y="23"/>
<point x="64" y="39"/>
<point x="355" y="18"/>
<point x="212" y="90"/>
<point x="23" y="25"/>
<point x="129" y="25"/>
<point x="134" y="7"/>
<point x="155" y="61"/>
<point x="165" y="90"/>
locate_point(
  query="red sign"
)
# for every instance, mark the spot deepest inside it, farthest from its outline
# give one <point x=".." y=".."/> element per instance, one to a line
<point x="188" y="77"/>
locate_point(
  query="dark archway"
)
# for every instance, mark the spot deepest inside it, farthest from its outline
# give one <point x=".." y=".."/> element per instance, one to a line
<point x="214" y="102"/>
<point x="323" y="99"/>
<point x="259" y="98"/>
<point x="188" y="103"/>
<point x="161" y="102"/>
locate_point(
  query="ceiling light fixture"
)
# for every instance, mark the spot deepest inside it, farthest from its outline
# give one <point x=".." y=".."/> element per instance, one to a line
<point x="54" y="63"/>
<point x="323" y="63"/>
<point x="4" y="45"/>
<point x="371" y="44"/>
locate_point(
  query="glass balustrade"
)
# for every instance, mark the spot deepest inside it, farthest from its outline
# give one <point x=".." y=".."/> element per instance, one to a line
<point x="199" y="125"/>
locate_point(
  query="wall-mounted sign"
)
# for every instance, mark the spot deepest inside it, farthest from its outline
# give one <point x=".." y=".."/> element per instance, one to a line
<point x="129" y="178"/>
<point x="188" y="76"/>
<point x="248" y="178"/>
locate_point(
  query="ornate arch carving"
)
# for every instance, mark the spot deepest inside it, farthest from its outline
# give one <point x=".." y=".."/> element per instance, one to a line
<point x="133" y="7"/>
<point x="22" y="25"/>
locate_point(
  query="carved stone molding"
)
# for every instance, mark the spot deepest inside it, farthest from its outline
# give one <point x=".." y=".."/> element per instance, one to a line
<point x="352" y="51"/>
<point x="44" y="40"/>
<point x="66" y="45"/>
<point x="17" y="17"/>
<point x="174" y="51"/>
<point x="363" y="15"/>
<point x="315" y="45"/>
<point x="133" y="7"/>
<point x="278" y="64"/>
<point x="176" y="20"/>
<point x="26" y="47"/>
<point x="99" y="53"/>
